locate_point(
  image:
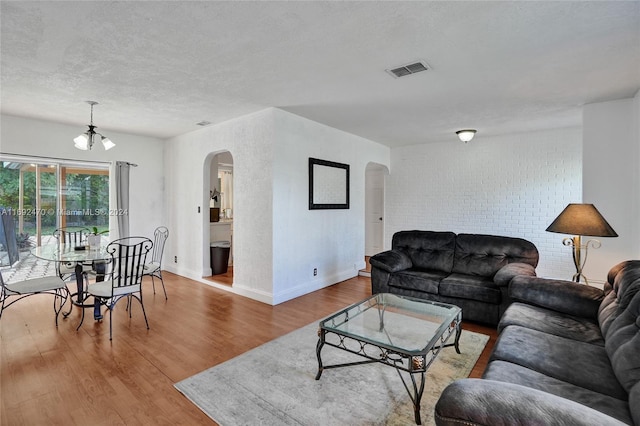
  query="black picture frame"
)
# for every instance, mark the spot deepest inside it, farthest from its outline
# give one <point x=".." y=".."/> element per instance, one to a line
<point x="328" y="185"/>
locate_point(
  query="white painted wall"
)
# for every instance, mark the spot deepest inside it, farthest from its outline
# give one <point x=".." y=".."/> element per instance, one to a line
<point x="513" y="185"/>
<point x="611" y="179"/>
<point x="277" y="240"/>
<point x="188" y="157"/>
<point x="25" y="136"/>
<point x="330" y="240"/>
<point x="509" y="185"/>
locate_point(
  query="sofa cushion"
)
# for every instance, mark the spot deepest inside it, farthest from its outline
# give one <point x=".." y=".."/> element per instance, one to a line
<point x="579" y="363"/>
<point x="484" y="255"/>
<point x="503" y="277"/>
<point x="475" y="402"/>
<point x="625" y="281"/>
<point x="512" y="373"/>
<point x="427" y="250"/>
<point x="391" y="261"/>
<point x="423" y="281"/>
<point x="464" y="286"/>
<point x="634" y="403"/>
<point x="622" y="276"/>
<point x="552" y="322"/>
<point x="558" y="295"/>
<point x="623" y="344"/>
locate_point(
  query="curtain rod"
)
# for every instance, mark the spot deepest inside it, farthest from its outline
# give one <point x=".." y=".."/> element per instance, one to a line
<point x="68" y="160"/>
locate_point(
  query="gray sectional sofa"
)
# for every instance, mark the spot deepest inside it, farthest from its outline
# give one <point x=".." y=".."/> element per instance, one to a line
<point x="567" y="354"/>
<point x="471" y="271"/>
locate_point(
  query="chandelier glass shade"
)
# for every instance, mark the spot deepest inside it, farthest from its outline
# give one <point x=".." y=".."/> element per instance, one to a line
<point x="86" y="140"/>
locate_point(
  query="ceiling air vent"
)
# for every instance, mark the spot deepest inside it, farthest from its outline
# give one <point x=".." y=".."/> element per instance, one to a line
<point x="203" y="123"/>
<point x="408" y="69"/>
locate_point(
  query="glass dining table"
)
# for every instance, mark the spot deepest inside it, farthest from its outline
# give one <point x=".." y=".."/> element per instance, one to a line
<point x="78" y="256"/>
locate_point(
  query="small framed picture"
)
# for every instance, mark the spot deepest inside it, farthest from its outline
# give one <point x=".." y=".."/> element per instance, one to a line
<point x="328" y="185"/>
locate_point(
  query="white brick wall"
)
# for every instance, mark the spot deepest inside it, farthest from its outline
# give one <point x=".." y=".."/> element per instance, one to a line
<point x="513" y="185"/>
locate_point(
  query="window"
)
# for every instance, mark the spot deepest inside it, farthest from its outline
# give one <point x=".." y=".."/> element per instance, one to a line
<point x="44" y="194"/>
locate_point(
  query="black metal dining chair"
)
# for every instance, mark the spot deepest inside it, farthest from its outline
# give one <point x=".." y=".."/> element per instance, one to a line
<point x="73" y="236"/>
<point x="46" y="285"/>
<point x="124" y="276"/>
<point x="153" y="269"/>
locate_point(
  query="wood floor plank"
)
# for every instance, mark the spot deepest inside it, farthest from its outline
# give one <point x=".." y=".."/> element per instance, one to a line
<point x="53" y="376"/>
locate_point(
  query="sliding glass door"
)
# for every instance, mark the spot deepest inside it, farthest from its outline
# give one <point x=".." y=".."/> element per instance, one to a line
<point x="84" y="197"/>
<point x="41" y="195"/>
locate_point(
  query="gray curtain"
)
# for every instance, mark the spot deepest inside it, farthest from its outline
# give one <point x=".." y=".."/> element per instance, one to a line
<point x="122" y="197"/>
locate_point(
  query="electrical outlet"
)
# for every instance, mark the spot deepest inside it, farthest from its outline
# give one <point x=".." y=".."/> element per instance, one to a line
<point x="175" y="259"/>
<point x="315" y="271"/>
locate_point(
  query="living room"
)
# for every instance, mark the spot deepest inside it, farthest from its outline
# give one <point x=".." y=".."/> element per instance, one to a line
<point x="549" y="132"/>
<point x="278" y="242"/>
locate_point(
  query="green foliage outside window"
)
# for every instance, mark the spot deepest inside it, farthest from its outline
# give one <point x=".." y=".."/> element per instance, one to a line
<point x="86" y="197"/>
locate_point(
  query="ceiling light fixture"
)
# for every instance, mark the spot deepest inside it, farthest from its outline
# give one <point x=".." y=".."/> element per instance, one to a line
<point x="466" y="135"/>
<point x="86" y="140"/>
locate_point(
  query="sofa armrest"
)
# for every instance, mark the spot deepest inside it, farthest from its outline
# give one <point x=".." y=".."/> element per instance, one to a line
<point x="562" y="296"/>
<point x="489" y="402"/>
<point x="391" y="261"/>
<point x="503" y="277"/>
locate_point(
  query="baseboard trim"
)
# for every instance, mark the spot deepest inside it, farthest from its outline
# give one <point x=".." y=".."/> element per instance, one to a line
<point x="269" y="298"/>
<point x="311" y="286"/>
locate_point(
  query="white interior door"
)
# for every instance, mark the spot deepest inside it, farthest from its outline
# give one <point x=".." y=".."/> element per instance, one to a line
<point x="374" y="210"/>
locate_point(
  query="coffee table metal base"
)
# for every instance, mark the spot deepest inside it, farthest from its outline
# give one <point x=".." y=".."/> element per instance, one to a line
<point x="414" y="365"/>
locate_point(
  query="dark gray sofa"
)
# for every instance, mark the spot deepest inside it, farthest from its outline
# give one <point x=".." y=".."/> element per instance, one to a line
<point x="567" y="354"/>
<point x="471" y="271"/>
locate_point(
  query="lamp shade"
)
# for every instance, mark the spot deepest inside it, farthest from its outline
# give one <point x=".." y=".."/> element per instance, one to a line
<point x="582" y="219"/>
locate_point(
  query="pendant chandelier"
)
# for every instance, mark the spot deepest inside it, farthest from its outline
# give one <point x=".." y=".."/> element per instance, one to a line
<point x="86" y="140"/>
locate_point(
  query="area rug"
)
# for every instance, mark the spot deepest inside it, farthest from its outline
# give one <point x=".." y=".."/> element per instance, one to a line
<point x="274" y="384"/>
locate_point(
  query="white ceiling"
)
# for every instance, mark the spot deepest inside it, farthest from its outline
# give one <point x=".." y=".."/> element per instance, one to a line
<point x="159" y="67"/>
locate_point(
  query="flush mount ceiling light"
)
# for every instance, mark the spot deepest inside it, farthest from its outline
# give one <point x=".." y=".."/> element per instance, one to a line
<point x="86" y="140"/>
<point x="466" y="135"/>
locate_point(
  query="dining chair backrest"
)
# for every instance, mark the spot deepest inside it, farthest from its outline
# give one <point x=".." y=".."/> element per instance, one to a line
<point x="128" y="257"/>
<point x="75" y="235"/>
<point x="160" y="236"/>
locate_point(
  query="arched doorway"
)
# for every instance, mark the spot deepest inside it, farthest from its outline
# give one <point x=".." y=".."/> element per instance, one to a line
<point x="218" y="223"/>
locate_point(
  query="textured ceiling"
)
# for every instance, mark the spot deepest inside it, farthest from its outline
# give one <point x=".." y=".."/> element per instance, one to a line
<point x="157" y="68"/>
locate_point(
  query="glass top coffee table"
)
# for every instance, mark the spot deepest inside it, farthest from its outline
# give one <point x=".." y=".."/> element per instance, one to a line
<point x="402" y="332"/>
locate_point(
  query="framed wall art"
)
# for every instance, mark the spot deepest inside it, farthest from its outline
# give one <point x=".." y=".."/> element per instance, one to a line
<point x="328" y="185"/>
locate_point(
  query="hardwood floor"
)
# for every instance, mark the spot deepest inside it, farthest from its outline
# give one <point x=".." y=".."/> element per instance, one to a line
<point x="55" y="376"/>
<point x="226" y="278"/>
